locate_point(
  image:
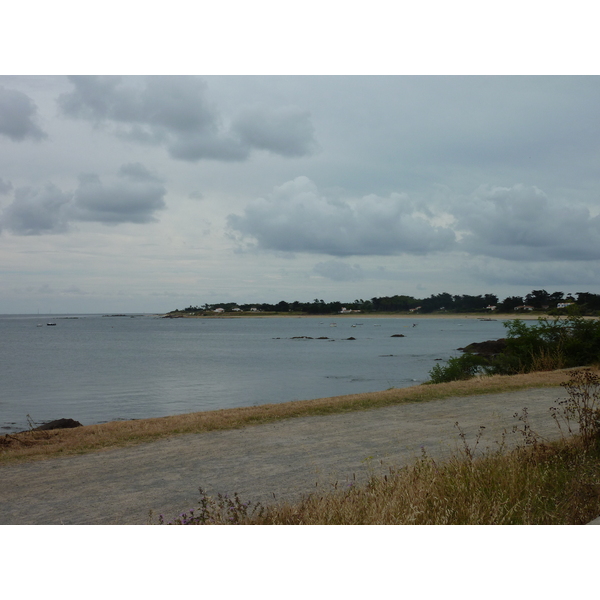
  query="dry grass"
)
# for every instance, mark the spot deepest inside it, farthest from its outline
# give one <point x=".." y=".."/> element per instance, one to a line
<point x="555" y="484"/>
<point x="538" y="483"/>
<point x="46" y="444"/>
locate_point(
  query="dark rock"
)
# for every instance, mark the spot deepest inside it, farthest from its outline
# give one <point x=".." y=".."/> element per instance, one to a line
<point x="487" y="349"/>
<point x="59" y="424"/>
<point x="351" y="338"/>
<point x="398" y="335"/>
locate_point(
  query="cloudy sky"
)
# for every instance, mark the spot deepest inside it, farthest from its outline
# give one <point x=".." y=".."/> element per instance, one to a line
<point x="150" y="193"/>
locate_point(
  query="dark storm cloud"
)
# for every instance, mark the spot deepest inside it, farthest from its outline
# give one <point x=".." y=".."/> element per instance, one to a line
<point x="296" y="217"/>
<point x="337" y="270"/>
<point x="18" y="114"/>
<point x="133" y="196"/>
<point x="522" y="223"/>
<point x="35" y="212"/>
<point x="176" y="112"/>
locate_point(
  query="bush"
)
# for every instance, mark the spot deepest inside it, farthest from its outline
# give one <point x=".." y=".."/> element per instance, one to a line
<point x="548" y="345"/>
<point x="545" y="346"/>
<point x="460" y="367"/>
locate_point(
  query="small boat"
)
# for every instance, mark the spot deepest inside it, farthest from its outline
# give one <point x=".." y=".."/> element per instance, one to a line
<point x="51" y="324"/>
<point x="39" y="325"/>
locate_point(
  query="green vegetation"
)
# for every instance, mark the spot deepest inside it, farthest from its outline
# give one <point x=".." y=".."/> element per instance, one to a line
<point x="539" y="301"/>
<point x="458" y="367"/>
<point x="548" y="345"/>
<point x="537" y="483"/>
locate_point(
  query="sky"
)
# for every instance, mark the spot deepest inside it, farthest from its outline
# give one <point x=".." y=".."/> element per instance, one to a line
<point x="147" y="193"/>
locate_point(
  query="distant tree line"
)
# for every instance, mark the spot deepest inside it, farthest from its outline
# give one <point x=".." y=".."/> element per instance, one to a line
<point x="584" y="303"/>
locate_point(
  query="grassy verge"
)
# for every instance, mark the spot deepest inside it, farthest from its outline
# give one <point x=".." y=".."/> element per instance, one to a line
<point x="554" y="484"/>
<point x="538" y="483"/>
<point x="47" y="444"/>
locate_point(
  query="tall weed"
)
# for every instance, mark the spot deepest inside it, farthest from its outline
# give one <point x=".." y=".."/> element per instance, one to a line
<point x="537" y="483"/>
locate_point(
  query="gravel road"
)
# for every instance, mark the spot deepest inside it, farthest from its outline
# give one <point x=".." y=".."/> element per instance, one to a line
<point x="282" y="460"/>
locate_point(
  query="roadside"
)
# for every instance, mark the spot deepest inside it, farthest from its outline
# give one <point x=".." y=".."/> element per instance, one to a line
<point x="275" y="461"/>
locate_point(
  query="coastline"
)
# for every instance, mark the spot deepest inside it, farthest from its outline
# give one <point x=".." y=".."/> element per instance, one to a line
<point x="469" y="316"/>
<point x="34" y="446"/>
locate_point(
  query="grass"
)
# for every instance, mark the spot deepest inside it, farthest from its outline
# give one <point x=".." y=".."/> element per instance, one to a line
<point x="556" y="484"/>
<point x="34" y="445"/>
<point x="538" y="483"/>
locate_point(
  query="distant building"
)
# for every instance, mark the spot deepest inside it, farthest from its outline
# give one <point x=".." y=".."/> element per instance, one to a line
<point x="564" y="304"/>
<point x="219" y="310"/>
<point x="414" y="309"/>
<point x="490" y="308"/>
<point x="524" y="307"/>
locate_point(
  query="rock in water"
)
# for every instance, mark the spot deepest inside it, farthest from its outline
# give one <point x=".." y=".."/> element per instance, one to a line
<point x="59" y="424"/>
<point x="487" y="349"/>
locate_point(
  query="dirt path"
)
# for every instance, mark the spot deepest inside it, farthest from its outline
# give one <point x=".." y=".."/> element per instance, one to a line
<point x="285" y="459"/>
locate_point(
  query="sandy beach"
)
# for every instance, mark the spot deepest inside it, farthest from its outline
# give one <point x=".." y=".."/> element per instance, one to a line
<point x="359" y="316"/>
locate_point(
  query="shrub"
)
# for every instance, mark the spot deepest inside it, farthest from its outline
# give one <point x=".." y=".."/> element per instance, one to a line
<point x="581" y="407"/>
<point x="550" y="344"/>
<point x="545" y="346"/>
<point x="459" y="367"/>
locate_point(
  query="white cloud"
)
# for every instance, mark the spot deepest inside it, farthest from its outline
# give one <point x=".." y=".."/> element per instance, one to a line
<point x="133" y="196"/>
<point x="296" y="217"/>
<point x="36" y="211"/>
<point x="523" y="223"/>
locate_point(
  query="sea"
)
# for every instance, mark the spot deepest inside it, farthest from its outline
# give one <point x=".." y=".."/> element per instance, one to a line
<point x="100" y="368"/>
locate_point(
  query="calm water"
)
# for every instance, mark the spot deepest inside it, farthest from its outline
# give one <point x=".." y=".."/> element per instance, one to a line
<point x="96" y="369"/>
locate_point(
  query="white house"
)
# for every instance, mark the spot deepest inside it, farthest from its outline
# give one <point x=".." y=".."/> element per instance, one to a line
<point x="219" y="310"/>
